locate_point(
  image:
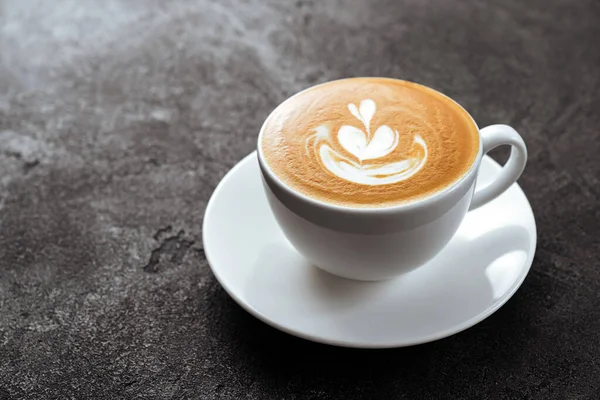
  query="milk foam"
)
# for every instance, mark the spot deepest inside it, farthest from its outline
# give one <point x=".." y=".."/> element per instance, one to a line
<point x="369" y="142"/>
<point x="364" y="146"/>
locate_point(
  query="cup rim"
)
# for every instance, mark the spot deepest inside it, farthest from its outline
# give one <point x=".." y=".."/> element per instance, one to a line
<point x="403" y="207"/>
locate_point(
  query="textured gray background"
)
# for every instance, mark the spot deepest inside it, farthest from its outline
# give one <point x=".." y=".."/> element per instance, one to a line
<point x="119" y="117"/>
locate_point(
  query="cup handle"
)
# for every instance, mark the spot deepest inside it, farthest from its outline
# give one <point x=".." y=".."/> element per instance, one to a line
<point x="492" y="137"/>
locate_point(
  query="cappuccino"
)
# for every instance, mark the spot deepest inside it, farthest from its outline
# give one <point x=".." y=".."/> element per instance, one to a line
<point x="369" y="142"/>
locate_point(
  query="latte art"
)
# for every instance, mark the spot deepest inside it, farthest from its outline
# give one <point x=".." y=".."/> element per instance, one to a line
<point x="365" y="146"/>
<point x="368" y="142"/>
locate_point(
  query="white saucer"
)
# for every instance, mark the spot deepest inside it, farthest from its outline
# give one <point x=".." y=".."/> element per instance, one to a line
<point x="479" y="270"/>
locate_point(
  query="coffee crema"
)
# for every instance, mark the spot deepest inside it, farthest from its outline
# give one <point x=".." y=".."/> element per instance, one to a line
<point x="369" y="142"/>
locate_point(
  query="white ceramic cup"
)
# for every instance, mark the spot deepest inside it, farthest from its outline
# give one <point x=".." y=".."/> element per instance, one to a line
<point x="380" y="243"/>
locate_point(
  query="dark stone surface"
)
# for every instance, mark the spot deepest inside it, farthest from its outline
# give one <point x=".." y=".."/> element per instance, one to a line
<point x="119" y="117"/>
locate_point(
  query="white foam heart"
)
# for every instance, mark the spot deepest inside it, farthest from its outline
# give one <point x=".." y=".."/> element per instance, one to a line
<point x="355" y="142"/>
<point x="365" y="113"/>
<point x="365" y="146"/>
<point x="383" y="142"/>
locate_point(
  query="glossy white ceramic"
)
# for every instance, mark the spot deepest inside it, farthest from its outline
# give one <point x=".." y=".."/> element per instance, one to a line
<point x="482" y="266"/>
<point x="380" y="243"/>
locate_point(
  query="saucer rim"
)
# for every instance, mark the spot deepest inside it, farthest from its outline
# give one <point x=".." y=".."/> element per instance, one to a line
<point x="356" y="344"/>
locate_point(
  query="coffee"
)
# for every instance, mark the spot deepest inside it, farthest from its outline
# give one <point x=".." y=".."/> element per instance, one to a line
<point x="369" y="142"/>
